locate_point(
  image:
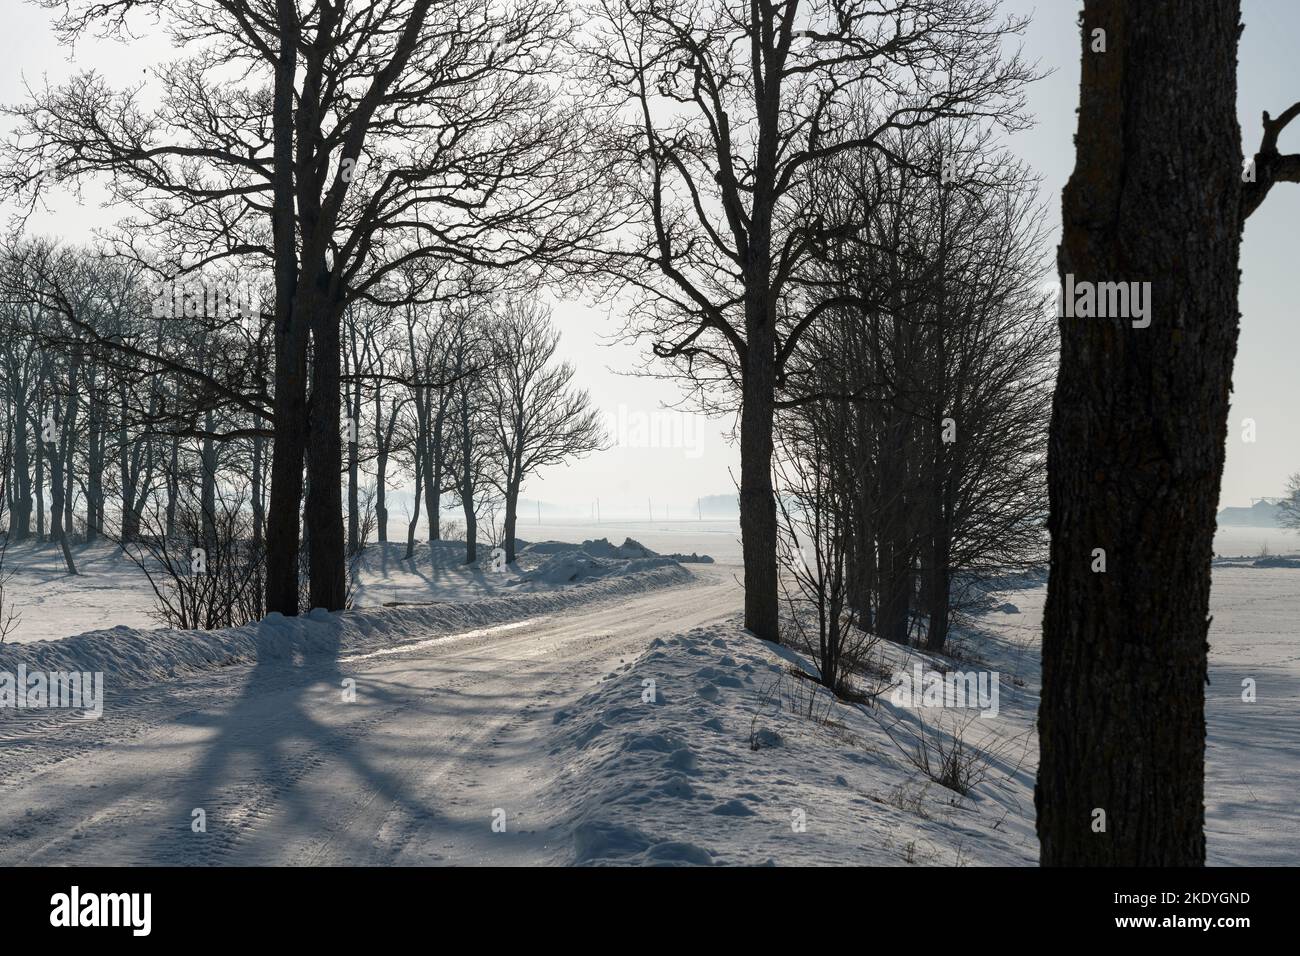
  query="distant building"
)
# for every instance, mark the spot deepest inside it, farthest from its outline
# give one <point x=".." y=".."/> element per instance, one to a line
<point x="1262" y="513"/>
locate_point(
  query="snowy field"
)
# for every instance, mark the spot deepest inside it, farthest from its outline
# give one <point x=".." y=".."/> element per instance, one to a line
<point x="599" y="710"/>
<point x="1252" y="542"/>
<point x="719" y="538"/>
<point x="110" y="590"/>
<point x="723" y="771"/>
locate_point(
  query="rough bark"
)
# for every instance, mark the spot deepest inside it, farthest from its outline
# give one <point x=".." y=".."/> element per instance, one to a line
<point x="290" y="419"/>
<point x="288" y="449"/>
<point x="758" y="528"/>
<point x="511" y="519"/>
<point x="324" y="511"/>
<point x="1137" y="439"/>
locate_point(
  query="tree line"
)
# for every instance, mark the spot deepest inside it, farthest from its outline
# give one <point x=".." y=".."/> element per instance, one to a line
<point x="134" y="409"/>
<point x="801" y="209"/>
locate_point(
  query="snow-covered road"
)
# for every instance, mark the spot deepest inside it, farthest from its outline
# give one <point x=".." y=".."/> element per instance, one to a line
<point x="444" y="739"/>
<point x="516" y="730"/>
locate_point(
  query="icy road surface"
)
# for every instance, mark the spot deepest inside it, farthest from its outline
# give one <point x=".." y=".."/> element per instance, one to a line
<point x="444" y="738"/>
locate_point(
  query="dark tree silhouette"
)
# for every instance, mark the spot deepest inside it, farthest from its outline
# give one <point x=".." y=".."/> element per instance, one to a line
<point x="537" y="417"/>
<point x="720" y="109"/>
<point x="351" y="144"/>
<point x="1139" y="423"/>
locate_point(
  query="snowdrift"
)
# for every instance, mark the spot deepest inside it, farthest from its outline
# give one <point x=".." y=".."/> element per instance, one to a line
<point x="630" y="549"/>
<point x="693" y="755"/>
<point x="133" y="656"/>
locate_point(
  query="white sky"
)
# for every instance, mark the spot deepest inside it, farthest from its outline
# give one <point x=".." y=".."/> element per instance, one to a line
<point x="626" y="478"/>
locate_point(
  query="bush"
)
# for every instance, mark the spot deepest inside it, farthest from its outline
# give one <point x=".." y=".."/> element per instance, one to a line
<point x="208" y="573"/>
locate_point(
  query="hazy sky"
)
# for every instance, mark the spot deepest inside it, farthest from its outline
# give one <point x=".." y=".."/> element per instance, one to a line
<point x="1265" y="375"/>
<point x="700" y="460"/>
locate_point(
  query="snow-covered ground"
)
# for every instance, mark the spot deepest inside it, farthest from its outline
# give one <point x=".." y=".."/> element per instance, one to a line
<point x="740" y="762"/>
<point x="623" y="717"/>
<point x="449" y="728"/>
<point x="110" y="590"/>
<point x="719" y="537"/>
<point x="1241" y="541"/>
<point x="107" y="591"/>
<point x="1252" y="773"/>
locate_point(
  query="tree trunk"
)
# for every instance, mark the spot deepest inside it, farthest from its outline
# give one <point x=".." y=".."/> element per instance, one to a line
<point x="757" y="502"/>
<point x="55" y="454"/>
<point x="354" y="501"/>
<point x="94" y="464"/>
<point x="324" y="514"/>
<point x="1137" y="441"/>
<point x="208" y="485"/>
<point x="895" y="553"/>
<point x="415" y="506"/>
<point x="381" y="470"/>
<point x="287" y="451"/>
<point x="173" y="486"/>
<point x="471" y="527"/>
<point x="939" y="602"/>
<point x="282" y="528"/>
<point x="354" y="466"/>
<point x="40" y="487"/>
<point x="58" y="529"/>
<point x="432" y="467"/>
<point x="512" y="515"/>
<point x="438" y="456"/>
<point x="20" y="519"/>
<point x="257" y="493"/>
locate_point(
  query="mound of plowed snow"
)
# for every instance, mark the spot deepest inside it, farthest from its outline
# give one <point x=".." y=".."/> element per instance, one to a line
<point x="130" y="656"/>
<point x="570" y="567"/>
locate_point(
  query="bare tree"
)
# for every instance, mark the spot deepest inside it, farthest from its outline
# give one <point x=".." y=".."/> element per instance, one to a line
<point x="471" y="445"/>
<point x="942" y="354"/>
<point x="538" y="418"/>
<point x="10" y="617"/>
<point x="1138" y="429"/>
<point x="208" y="573"/>
<point x="332" y="143"/>
<point x="814" y="503"/>
<point x="719" y="110"/>
<point x="1289" y="506"/>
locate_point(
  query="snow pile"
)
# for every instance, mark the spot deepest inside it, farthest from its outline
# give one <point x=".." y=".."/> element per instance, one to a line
<point x="630" y="548"/>
<point x="596" y="548"/>
<point x="571" y="567"/>
<point x="603" y="548"/>
<point x="709" y="750"/>
<point x="436" y="570"/>
<point x="132" y="656"/>
<point x="546" y="547"/>
<point x="1276" y="561"/>
<point x="691" y="558"/>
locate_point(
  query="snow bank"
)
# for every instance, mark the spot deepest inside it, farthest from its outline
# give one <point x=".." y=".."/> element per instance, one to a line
<point x="131" y="656"/>
<point x="569" y="567"/>
<point x="603" y="548"/>
<point x="708" y="750"/>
